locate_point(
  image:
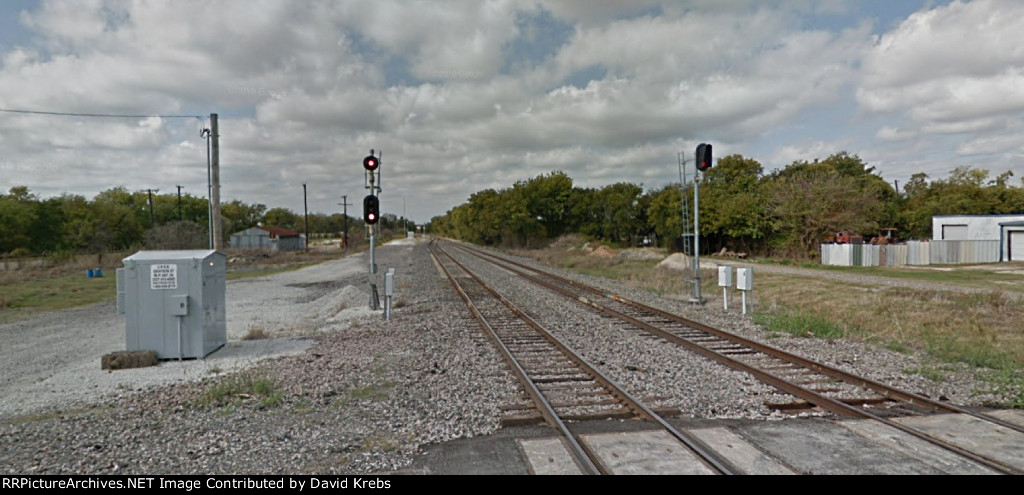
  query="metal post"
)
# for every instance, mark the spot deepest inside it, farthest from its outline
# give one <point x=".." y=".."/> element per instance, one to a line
<point x="374" y="188"/>
<point x="389" y="291"/>
<point x="374" y="296"/>
<point x="696" y="238"/>
<point x="209" y="186"/>
<point x="305" y="213"/>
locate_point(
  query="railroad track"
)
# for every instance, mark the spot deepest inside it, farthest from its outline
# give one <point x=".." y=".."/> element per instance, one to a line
<point x="812" y="384"/>
<point x="560" y="385"/>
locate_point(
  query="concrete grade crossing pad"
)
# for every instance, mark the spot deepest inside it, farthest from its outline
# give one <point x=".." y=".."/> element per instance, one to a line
<point x="928" y="453"/>
<point x="548" y="456"/>
<point x="740" y="453"/>
<point x="813" y="446"/>
<point x="992" y="441"/>
<point x="643" y="452"/>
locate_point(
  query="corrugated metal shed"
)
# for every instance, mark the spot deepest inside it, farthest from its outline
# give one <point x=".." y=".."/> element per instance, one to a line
<point x="270" y="238"/>
<point x="251" y="238"/>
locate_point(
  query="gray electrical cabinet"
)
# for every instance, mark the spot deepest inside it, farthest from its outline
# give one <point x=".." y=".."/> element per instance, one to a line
<point x="174" y="302"/>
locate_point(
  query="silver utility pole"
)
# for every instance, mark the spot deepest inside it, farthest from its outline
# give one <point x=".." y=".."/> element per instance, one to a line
<point x="696" y="238"/>
<point x="372" y="164"/>
<point x="205" y="133"/>
<point x="702" y="161"/>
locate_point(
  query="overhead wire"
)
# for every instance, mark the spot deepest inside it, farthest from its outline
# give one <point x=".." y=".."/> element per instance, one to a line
<point x="123" y="116"/>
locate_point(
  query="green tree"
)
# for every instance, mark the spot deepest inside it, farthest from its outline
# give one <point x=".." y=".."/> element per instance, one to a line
<point x="18" y="214"/>
<point x="733" y="205"/>
<point x="239" y="216"/>
<point x="810" y="201"/>
<point x="283" y="217"/>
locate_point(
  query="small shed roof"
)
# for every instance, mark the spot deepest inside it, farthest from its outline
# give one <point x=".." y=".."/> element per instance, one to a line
<point x="252" y="231"/>
<point x="281" y="231"/>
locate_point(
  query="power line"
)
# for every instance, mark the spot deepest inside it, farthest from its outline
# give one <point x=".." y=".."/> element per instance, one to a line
<point x="67" y="114"/>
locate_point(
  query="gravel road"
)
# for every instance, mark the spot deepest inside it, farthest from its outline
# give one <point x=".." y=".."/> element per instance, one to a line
<point x="53" y="361"/>
<point x="357" y="394"/>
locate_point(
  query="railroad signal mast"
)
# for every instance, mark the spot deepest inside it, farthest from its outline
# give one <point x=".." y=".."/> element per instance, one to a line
<point x="702" y="162"/>
<point x="371" y="215"/>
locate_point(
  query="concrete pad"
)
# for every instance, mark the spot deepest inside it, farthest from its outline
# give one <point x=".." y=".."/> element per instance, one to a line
<point x="548" y="456"/>
<point x="822" y="447"/>
<point x="1015" y="416"/>
<point x="739" y="452"/>
<point x="643" y="452"/>
<point x="987" y="439"/>
<point x="928" y="453"/>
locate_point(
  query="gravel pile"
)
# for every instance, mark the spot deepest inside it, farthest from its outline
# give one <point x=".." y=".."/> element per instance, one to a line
<point x="336" y="389"/>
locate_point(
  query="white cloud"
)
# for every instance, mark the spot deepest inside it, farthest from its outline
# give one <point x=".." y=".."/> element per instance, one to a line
<point x="305" y="89"/>
<point x="895" y="134"/>
<point x="962" y="61"/>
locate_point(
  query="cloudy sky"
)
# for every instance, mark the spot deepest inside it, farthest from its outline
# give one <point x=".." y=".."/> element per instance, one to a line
<point x="461" y="96"/>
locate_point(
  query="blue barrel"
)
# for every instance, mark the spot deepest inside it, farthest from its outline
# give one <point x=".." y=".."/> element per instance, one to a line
<point x="89" y="273"/>
<point x="98" y="272"/>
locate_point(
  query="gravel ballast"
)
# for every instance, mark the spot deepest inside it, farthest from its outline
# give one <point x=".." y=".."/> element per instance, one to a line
<point x="351" y="393"/>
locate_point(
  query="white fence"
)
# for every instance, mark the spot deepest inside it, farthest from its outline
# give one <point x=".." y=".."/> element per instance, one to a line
<point x="911" y="253"/>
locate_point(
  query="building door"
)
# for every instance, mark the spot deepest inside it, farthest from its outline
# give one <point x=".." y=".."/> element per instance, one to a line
<point x="1016" y="245"/>
<point x="954" y="232"/>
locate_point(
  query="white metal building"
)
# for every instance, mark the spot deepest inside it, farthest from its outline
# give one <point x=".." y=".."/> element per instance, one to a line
<point x="970" y="227"/>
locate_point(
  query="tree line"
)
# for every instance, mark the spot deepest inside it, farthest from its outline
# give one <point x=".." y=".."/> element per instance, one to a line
<point x="118" y="220"/>
<point x="787" y="212"/>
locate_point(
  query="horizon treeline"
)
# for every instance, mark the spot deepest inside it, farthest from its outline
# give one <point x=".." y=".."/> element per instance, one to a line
<point x="117" y="219"/>
<point x="787" y="212"/>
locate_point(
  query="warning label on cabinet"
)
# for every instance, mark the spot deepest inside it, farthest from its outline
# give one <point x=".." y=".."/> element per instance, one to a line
<point x="163" y="276"/>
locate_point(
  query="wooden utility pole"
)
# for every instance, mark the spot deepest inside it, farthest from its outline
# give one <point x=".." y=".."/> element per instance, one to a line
<point x="344" y="216"/>
<point x="305" y="214"/>
<point x="218" y="234"/>
<point x="179" y="203"/>
<point x="151" y="222"/>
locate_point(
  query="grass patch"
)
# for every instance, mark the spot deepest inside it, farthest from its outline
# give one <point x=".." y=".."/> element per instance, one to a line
<point x="266" y="271"/>
<point x="933" y="375"/>
<point x="25" y="293"/>
<point x="803" y="325"/>
<point x="55" y="415"/>
<point x="256" y="332"/>
<point x="379" y="443"/>
<point x="372" y="392"/>
<point x="1010" y="380"/>
<point x="241" y="388"/>
<point x="21" y="299"/>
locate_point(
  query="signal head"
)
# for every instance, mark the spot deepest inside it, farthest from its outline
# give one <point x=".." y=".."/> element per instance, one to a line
<point x="371" y="209"/>
<point x="703" y="156"/>
<point x="371" y="163"/>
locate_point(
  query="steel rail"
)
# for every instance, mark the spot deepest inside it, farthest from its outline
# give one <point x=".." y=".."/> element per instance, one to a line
<point x="860" y="381"/>
<point x="580" y="456"/>
<point x="705" y="453"/>
<point x="826" y="403"/>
